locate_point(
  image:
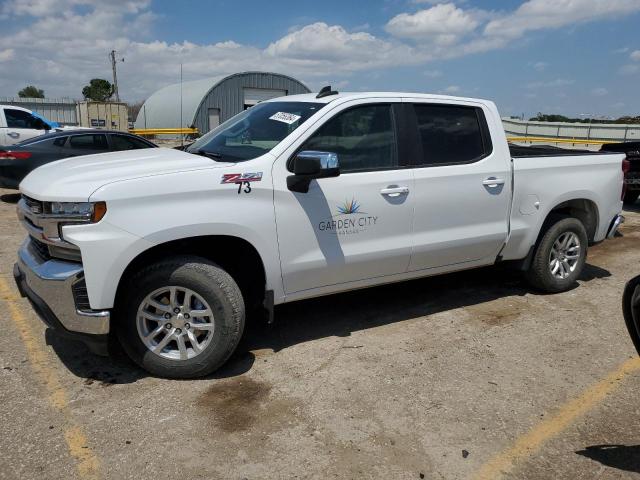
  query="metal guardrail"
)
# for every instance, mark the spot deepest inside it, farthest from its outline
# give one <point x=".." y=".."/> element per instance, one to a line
<point x="163" y="131"/>
<point x="574" y="141"/>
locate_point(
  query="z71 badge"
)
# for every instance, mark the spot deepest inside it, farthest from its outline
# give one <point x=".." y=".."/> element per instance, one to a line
<point x="242" y="179"/>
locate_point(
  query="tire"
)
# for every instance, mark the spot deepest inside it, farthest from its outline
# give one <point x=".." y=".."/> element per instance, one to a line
<point x="631" y="196"/>
<point x="631" y="310"/>
<point x="150" y="305"/>
<point x="543" y="274"/>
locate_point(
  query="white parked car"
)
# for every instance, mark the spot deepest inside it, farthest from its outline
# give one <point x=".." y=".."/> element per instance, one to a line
<point x="298" y="197"/>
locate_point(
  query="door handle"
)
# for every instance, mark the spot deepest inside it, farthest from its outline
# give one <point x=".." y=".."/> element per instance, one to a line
<point x="493" y="182"/>
<point x="394" y="191"/>
<point x="14" y="134"/>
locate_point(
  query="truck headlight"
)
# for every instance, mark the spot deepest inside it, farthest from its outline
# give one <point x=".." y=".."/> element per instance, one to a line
<point x="79" y="211"/>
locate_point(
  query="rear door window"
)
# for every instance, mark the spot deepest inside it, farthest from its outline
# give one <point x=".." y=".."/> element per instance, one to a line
<point x="124" y="142"/>
<point x="88" y="142"/>
<point x="451" y="134"/>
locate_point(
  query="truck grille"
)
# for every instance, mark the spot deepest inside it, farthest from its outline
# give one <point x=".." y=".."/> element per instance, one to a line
<point x="41" y="248"/>
<point x="80" y="295"/>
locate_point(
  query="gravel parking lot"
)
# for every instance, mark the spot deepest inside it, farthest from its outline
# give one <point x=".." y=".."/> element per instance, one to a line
<point x="470" y="375"/>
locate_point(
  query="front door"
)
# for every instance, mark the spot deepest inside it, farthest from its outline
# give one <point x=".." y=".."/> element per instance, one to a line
<point x="462" y="187"/>
<point x="353" y="227"/>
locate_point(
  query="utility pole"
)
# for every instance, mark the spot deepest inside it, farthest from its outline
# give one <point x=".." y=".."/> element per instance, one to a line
<point x="181" y="126"/>
<point x="112" y="56"/>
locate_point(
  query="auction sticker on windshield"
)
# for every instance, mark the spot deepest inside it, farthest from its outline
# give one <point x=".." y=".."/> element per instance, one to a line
<point x="284" y="117"/>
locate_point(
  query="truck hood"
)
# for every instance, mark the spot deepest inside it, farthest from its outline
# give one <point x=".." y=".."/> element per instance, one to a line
<point x="75" y="179"/>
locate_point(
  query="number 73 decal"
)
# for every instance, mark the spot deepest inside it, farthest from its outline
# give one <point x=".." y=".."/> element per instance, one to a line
<point x="242" y="179"/>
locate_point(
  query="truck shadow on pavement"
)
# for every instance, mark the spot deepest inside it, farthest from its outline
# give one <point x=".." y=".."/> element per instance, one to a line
<point x="335" y="315"/>
<point x="622" y="457"/>
<point x="344" y="313"/>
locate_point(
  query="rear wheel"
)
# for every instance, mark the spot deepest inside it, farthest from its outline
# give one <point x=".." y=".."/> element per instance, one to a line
<point x="181" y="318"/>
<point x="560" y="256"/>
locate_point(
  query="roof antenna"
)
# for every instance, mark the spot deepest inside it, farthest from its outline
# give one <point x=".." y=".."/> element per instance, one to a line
<point x="326" y="91"/>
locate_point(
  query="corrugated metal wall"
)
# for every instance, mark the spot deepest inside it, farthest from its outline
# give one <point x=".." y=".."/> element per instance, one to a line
<point x="61" y="110"/>
<point x="228" y="95"/>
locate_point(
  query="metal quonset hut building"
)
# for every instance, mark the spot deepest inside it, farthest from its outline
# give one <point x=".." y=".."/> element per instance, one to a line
<point x="209" y="102"/>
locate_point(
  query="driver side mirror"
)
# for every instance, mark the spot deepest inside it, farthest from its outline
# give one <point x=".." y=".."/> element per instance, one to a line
<point x="309" y="165"/>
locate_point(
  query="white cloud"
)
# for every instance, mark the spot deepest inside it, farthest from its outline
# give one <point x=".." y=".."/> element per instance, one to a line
<point x="558" y="82"/>
<point x="635" y="55"/>
<point x="547" y="14"/>
<point x="452" y="89"/>
<point x="6" y="55"/>
<point x="629" y="69"/>
<point x="321" y="45"/>
<point x="599" y="92"/>
<point x="444" y="24"/>
<point x="43" y="8"/>
<point x="432" y="73"/>
<point x="540" y="66"/>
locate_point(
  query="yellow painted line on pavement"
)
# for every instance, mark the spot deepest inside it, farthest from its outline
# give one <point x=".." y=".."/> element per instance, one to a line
<point x="532" y="441"/>
<point x="87" y="463"/>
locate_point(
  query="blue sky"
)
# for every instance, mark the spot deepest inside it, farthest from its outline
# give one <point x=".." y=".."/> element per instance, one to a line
<point x="556" y="56"/>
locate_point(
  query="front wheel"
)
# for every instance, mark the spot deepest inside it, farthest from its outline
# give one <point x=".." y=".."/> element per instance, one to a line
<point x="560" y="256"/>
<point x="181" y="318"/>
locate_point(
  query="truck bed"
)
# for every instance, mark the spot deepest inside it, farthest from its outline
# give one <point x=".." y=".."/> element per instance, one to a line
<point x="519" y="151"/>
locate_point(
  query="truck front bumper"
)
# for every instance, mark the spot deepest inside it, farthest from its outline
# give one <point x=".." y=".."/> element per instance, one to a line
<point x="56" y="291"/>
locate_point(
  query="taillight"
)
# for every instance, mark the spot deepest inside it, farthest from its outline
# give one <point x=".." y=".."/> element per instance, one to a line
<point x="626" y="168"/>
<point x="4" y="155"/>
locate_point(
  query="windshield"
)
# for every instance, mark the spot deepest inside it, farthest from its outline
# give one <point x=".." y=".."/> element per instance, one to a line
<point x="254" y="132"/>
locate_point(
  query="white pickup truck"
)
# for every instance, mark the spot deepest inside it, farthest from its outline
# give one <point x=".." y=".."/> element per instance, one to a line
<point x="18" y="124"/>
<point x="294" y="198"/>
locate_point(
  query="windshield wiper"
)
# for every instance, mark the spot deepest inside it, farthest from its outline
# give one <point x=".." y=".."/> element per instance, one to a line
<point x="211" y="155"/>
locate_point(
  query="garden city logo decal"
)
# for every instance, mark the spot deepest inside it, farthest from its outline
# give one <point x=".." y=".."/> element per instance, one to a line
<point x="349" y="220"/>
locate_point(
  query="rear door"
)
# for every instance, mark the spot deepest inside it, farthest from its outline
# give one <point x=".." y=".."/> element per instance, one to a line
<point x="353" y="227"/>
<point x="462" y="186"/>
<point x="21" y="125"/>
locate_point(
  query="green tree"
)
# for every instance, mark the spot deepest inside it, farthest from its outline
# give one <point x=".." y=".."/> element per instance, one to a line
<point x="31" y="92"/>
<point x="99" y="90"/>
